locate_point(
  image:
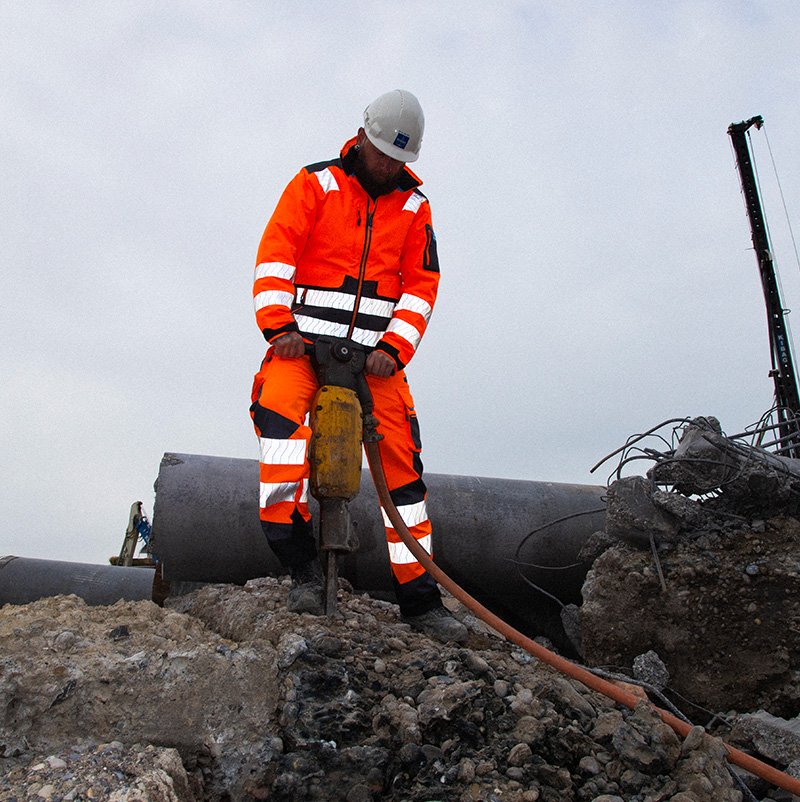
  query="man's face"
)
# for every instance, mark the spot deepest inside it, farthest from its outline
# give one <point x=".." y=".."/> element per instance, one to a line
<point x="379" y="168"/>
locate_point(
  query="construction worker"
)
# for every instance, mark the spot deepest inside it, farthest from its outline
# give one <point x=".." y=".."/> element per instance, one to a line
<point x="349" y="252"/>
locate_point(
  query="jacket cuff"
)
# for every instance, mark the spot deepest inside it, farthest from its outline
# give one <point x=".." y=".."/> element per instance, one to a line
<point x="270" y="335"/>
<point x="392" y="352"/>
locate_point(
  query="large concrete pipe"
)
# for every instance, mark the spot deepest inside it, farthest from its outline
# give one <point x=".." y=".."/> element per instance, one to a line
<point x="490" y="535"/>
<point x="24" y="580"/>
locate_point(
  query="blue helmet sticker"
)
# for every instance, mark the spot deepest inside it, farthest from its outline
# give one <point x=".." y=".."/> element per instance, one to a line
<point x="401" y="140"/>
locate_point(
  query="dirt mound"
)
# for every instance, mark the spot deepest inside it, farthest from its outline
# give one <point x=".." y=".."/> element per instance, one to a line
<point x="725" y="621"/>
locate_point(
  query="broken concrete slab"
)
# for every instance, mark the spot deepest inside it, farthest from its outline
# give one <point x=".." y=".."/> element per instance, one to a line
<point x="776" y="738"/>
<point x="632" y="516"/>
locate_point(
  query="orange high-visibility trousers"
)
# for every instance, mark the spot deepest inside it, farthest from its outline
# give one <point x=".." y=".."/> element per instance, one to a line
<point x="283" y="390"/>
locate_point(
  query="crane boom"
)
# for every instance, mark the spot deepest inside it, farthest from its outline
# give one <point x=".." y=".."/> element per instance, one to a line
<point x="786" y="394"/>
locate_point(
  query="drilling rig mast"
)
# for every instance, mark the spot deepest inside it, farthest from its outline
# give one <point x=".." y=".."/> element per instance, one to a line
<point x="787" y="399"/>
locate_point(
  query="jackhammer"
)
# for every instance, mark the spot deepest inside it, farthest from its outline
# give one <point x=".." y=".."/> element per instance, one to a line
<point x="341" y="416"/>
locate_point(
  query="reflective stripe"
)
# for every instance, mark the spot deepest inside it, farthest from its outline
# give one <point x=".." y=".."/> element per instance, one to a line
<point x="374" y="306"/>
<point x="273" y="298"/>
<point x="413" y="203"/>
<point x="327" y="299"/>
<point x="273" y="493"/>
<point x="406" y="331"/>
<point x="331" y="299"/>
<point x="326" y="180"/>
<point x="400" y="554"/>
<point x="275" y="270"/>
<point x="412" y="514"/>
<point x="278" y="451"/>
<point x="312" y="325"/>
<point x="415" y="304"/>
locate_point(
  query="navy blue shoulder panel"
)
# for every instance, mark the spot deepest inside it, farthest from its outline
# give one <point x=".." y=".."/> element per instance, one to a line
<point x="406" y="182"/>
<point x="318" y="167"/>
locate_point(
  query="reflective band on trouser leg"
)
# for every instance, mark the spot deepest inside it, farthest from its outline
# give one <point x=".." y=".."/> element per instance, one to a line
<point x="404" y="565"/>
<point x="400" y="448"/>
<point x="283" y="465"/>
<point x="283" y="497"/>
<point x="285" y="389"/>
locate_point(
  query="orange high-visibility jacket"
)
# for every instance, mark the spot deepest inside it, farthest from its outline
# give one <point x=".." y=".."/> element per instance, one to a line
<point x="334" y="262"/>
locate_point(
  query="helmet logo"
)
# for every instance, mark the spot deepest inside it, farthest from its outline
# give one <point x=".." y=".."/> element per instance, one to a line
<point x="401" y="140"/>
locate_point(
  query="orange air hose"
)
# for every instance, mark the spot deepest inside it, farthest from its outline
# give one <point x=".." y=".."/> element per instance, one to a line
<point x="747" y="762"/>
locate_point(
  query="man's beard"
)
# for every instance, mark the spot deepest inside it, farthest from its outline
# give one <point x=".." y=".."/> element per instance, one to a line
<point x="372" y="187"/>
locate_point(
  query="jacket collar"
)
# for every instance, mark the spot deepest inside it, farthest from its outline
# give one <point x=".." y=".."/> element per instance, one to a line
<point x="408" y="178"/>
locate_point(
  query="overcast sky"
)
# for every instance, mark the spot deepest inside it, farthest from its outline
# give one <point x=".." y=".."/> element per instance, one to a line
<point x="597" y="270"/>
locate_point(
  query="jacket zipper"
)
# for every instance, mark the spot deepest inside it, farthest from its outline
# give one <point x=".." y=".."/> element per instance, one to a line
<point x="299" y="300"/>
<point x="363" y="266"/>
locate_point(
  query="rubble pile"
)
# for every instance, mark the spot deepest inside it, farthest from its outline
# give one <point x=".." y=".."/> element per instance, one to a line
<point x="226" y="696"/>
<point x="711" y="585"/>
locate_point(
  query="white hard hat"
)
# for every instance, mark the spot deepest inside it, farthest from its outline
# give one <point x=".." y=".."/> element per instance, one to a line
<point x="394" y="123"/>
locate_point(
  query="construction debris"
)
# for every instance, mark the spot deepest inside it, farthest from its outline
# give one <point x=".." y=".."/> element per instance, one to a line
<point x="750" y="478"/>
<point x="258" y="703"/>
<point x="703" y="569"/>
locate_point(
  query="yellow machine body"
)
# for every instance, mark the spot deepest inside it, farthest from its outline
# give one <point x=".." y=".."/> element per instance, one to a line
<point x="335" y="448"/>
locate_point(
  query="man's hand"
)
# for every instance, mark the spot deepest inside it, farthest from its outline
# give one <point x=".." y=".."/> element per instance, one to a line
<point x="379" y="363"/>
<point x="290" y="345"/>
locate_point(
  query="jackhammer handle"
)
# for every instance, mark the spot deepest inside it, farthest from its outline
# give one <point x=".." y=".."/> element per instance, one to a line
<point x="370" y="422"/>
